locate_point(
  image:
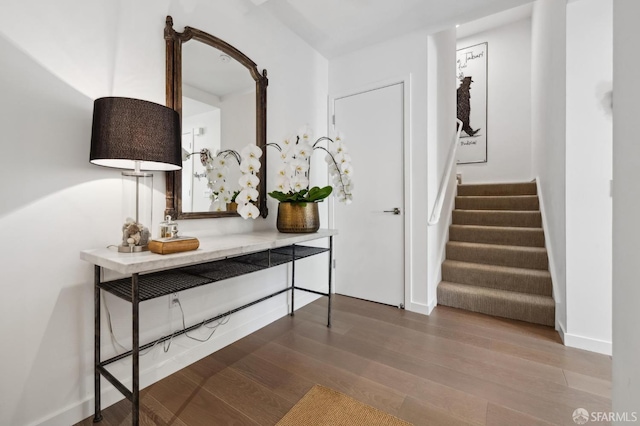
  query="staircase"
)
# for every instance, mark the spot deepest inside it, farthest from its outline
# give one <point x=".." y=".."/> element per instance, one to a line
<point x="496" y="261"/>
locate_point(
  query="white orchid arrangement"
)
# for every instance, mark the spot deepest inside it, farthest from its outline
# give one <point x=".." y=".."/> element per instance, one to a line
<point x="292" y="178"/>
<point x="249" y="166"/>
<point x="217" y="170"/>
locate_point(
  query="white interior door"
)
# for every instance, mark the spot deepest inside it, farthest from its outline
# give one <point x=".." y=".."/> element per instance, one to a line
<point x="370" y="246"/>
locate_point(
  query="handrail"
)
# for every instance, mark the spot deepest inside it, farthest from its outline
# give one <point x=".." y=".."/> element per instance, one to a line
<point x="437" y="207"/>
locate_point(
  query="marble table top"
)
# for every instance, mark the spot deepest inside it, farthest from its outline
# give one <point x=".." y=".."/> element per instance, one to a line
<point x="211" y="248"/>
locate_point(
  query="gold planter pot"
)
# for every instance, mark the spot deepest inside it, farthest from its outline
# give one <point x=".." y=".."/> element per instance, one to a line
<point x="298" y="218"/>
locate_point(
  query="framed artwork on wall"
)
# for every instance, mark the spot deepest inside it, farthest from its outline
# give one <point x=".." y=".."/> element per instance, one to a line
<point x="471" y="69"/>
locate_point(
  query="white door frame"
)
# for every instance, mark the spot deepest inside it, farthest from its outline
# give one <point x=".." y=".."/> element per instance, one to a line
<point x="405" y="80"/>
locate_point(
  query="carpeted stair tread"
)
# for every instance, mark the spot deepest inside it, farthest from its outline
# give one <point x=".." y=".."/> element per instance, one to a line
<point x="501" y="255"/>
<point x="532" y="281"/>
<point x="505" y="235"/>
<point x="522" y="218"/>
<point x="508" y="304"/>
<point x="498" y="202"/>
<point x="496" y="260"/>
<point x="526" y="188"/>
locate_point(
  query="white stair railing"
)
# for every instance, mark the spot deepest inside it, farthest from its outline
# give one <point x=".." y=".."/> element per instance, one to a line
<point x="444" y="181"/>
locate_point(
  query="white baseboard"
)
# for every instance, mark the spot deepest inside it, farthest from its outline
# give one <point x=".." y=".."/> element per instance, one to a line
<point x="587" y="343"/>
<point x="420" y="308"/>
<point x="560" y="328"/>
<point x="83" y="409"/>
<point x="432" y="305"/>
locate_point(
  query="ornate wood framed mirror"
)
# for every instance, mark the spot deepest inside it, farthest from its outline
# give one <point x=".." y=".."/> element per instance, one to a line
<point x="222" y="101"/>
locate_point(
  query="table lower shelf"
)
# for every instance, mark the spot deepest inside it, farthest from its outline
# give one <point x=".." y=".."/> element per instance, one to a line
<point x="163" y="283"/>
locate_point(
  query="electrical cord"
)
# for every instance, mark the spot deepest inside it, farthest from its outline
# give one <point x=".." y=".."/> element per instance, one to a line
<point x="114" y="340"/>
<point x="213" y="329"/>
<point x="166" y="346"/>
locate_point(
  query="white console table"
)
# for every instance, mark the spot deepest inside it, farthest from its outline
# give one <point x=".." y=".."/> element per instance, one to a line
<point x="152" y="275"/>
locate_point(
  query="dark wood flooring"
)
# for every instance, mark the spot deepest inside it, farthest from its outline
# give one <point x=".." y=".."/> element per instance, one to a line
<point x="450" y="368"/>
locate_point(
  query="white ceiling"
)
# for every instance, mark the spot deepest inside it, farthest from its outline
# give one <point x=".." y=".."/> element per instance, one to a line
<point x="496" y="20"/>
<point x="336" y="27"/>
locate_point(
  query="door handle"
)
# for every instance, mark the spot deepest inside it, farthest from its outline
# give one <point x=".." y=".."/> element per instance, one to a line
<point x="395" y="210"/>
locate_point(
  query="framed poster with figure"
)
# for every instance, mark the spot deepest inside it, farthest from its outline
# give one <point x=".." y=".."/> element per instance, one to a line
<point x="471" y="70"/>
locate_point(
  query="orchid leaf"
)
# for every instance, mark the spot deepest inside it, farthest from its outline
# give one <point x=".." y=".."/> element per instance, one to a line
<point x="304" y="196"/>
<point x="317" y="193"/>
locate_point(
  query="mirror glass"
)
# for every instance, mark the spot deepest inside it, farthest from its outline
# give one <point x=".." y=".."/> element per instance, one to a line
<point x="218" y="114"/>
<point x="221" y="98"/>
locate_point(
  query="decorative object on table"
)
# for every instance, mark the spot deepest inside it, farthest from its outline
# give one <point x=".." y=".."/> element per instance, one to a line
<point x="168" y="228"/>
<point x="298" y="217"/>
<point x="169" y="240"/>
<point x="223" y="197"/>
<point x="135" y="135"/>
<point x="471" y="71"/>
<point x="173" y="245"/>
<point x="298" y="209"/>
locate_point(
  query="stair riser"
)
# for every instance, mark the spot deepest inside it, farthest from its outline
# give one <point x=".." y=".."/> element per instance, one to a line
<point x="498" y="218"/>
<point x="501" y="280"/>
<point x="499" y="256"/>
<point x="513" y="237"/>
<point x="498" y="307"/>
<point x="526" y="202"/>
<point x="499" y="189"/>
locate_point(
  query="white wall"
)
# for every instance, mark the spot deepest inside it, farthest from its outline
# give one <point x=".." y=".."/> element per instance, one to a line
<point x="404" y="58"/>
<point x="626" y="204"/>
<point x="588" y="174"/>
<point x="548" y="46"/>
<point x="56" y="60"/>
<point x="441" y="116"/>
<point x="508" y="105"/>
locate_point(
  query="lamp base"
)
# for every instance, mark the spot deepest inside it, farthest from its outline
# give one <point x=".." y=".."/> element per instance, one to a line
<point x="132" y="249"/>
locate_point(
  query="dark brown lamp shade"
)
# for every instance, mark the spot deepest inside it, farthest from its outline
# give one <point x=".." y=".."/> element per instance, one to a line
<point x="127" y="130"/>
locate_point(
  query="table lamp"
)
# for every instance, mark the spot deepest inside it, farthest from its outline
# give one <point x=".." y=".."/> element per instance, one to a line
<point x="138" y="136"/>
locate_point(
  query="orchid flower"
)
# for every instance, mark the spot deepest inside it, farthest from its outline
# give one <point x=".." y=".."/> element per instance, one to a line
<point x="305" y="133"/>
<point x="288" y="142"/>
<point x="299" y="166"/>
<point x="282" y="184"/>
<point x="248" y="210"/>
<point x="303" y="150"/>
<point x="251" y="151"/>
<point x="346" y="169"/>
<point x="218" y="206"/>
<point x="225" y="197"/>
<point x="219" y="186"/>
<point x="219" y="162"/>
<point x="247" y="195"/>
<point x="282" y="170"/>
<point x="249" y="181"/>
<point x="220" y="173"/>
<point x="250" y="165"/>
<point x="298" y="183"/>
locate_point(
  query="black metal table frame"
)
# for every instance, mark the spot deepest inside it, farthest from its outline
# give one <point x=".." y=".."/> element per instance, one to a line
<point x="134" y="394"/>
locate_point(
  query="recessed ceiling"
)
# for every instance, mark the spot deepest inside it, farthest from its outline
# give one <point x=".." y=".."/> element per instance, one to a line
<point x="336" y="27"/>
